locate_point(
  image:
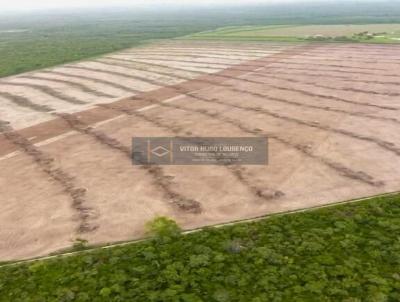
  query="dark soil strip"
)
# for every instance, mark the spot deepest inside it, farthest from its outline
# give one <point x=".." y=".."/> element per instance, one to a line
<point x="96" y="80"/>
<point x="108" y="72"/>
<point x="215" y="64"/>
<point x="323" y="96"/>
<point x="352" y="58"/>
<point x="338" y="167"/>
<point x="218" y="50"/>
<point x="325" y="108"/>
<point x="49" y="91"/>
<point x="156" y="172"/>
<point x="264" y="193"/>
<point x="193" y="55"/>
<point x="133" y="66"/>
<point x="78" y="195"/>
<point x="117" y="73"/>
<point x="144" y="79"/>
<point x="276" y="99"/>
<point x="224" y="57"/>
<point x="365" y="54"/>
<point x="269" y="59"/>
<point x="239" y="172"/>
<point x="313" y="83"/>
<point x="221" y="65"/>
<point x="323" y="52"/>
<point x="24" y="102"/>
<point x="276" y="87"/>
<point x="304" y="92"/>
<point x="355" y="51"/>
<point x="388" y="146"/>
<point x="263" y="74"/>
<point x="349" y="79"/>
<point x="79" y="86"/>
<point x="159" y="66"/>
<point x="312" y="94"/>
<point x="342" y="59"/>
<point x="346" y="78"/>
<point x="335" y="70"/>
<point x="312" y="62"/>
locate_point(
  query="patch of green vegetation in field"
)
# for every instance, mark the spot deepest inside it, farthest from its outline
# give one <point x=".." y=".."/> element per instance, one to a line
<point x="347" y="252"/>
<point x="369" y="33"/>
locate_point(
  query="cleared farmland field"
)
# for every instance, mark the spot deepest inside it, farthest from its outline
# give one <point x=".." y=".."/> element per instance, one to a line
<point x="331" y="114"/>
<point x="383" y="33"/>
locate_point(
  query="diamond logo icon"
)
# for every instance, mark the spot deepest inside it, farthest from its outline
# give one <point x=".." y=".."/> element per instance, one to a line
<point x="160" y="151"/>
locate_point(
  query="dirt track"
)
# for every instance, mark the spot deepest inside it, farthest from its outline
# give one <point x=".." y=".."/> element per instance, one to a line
<point x="332" y="126"/>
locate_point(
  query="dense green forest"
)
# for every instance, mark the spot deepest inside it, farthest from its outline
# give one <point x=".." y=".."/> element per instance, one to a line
<point x="38" y="40"/>
<point x="346" y="252"/>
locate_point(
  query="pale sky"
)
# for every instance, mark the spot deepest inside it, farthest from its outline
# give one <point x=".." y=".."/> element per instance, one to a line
<point x="27" y="5"/>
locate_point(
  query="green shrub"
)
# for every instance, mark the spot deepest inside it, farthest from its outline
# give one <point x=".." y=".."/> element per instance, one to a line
<point x="163" y="227"/>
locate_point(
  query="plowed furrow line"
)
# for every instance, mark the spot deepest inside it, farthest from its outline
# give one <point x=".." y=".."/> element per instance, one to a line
<point x="388" y="146"/>
<point x="223" y="50"/>
<point x="160" y="180"/>
<point x="313" y="83"/>
<point x="313" y="94"/>
<point x="136" y="77"/>
<point x="285" y="64"/>
<point x="248" y="47"/>
<point x="219" y="65"/>
<point x="367" y="54"/>
<point x="337" y="167"/>
<point x="133" y="66"/>
<point x="362" y="46"/>
<point x="269" y="59"/>
<point x="347" y="78"/>
<point x="95" y="80"/>
<point x="193" y="55"/>
<point x="79" y="86"/>
<point x="158" y="65"/>
<point x="363" y="59"/>
<point x="301" y="91"/>
<point x="189" y="70"/>
<point x="215" y="64"/>
<point x="24" y="102"/>
<point x="323" y="108"/>
<point x="264" y="193"/>
<point x="342" y="59"/>
<point x="359" y="114"/>
<point x="49" y="91"/>
<point x="116" y="73"/>
<point x="85" y="214"/>
<point x="312" y="62"/>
